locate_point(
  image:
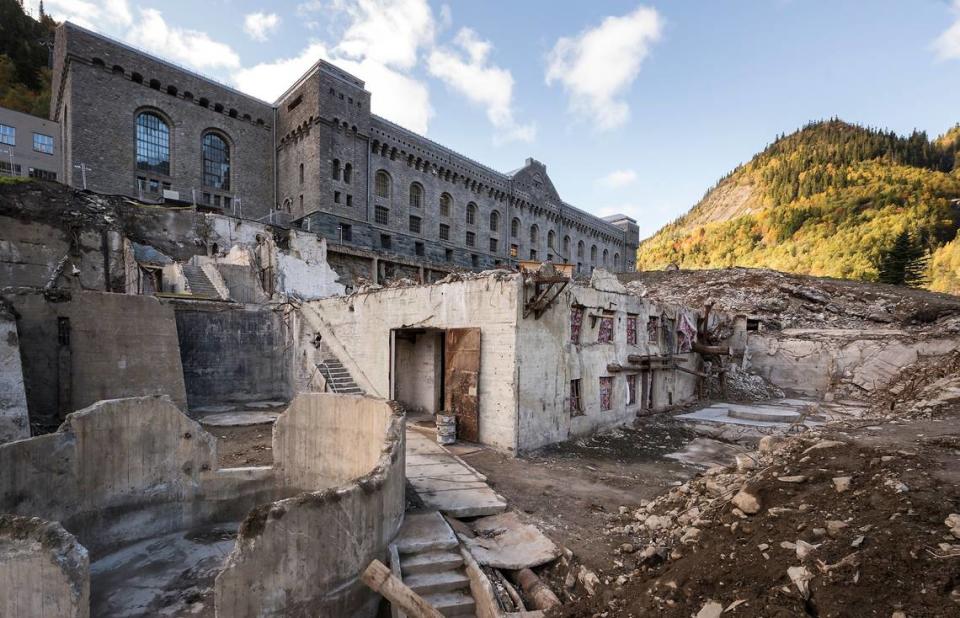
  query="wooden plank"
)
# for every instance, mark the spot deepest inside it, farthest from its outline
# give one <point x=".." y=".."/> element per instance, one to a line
<point x="462" y="380"/>
<point x="379" y="578"/>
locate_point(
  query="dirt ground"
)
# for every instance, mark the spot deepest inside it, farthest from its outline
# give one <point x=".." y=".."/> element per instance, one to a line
<point x="239" y="447"/>
<point x="877" y="548"/>
<point x="573" y="490"/>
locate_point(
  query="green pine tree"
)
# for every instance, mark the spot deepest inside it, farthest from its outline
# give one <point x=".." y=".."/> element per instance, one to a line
<point x="904" y="262"/>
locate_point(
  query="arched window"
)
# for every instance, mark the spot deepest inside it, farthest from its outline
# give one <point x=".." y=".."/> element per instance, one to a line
<point x="382" y="184"/>
<point x="301" y="173"/>
<point x="494" y="221"/>
<point x="335" y="169"/>
<point x="580" y="249"/>
<point x="216" y="162"/>
<point x="416" y="195"/>
<point x="606" y="255"/>
<point x="348" y="173"/>
<point x="153" y="144"/>
<point x="551" y="240"/>
<point x="515" y="228"/>
<point x="566" y="246"/>
<point x="471" y="213"/>
<point x="445" y="202"/>
<point x="616" y="260"/>
<point x="534" y="234"/>
<point x="593" y="254"/>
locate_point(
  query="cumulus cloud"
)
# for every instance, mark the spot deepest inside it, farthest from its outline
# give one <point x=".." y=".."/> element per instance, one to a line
<point x="389" y="32"/>
<point x="93" y="15"/>
<point x="189" y="47"/>
<point x="618" y="178"/>
<point x="468" y="71"/>
<point x="259" y="26"/>
<point x="599" y="64"/>
<point x="947" y="45"/>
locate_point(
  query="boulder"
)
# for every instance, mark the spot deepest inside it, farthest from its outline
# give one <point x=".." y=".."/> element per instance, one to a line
<point x="747" y="502"/>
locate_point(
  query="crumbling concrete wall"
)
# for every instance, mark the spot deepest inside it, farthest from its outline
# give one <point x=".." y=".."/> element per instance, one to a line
<point x="43" y="570"/>
<point x="548" y="360"/>
<point x="14" y="419"/>
<point x="87" y="346"/>
<point x="357" y="328"/>
<point x="837" y="361"/>
<point x="419" y="370"/>
<point x="234" y="352"/>
<point x="303" y="271"/>
<point x="303" y="555"/>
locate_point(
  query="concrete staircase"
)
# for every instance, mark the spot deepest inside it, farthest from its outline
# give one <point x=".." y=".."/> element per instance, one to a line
<point x="431" y="564"/>
<point x="338" y="378"/>
<point x="199" y="283"/>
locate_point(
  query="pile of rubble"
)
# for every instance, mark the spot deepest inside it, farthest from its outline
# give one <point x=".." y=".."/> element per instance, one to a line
<point x="781" y="300"/>
<point x="924" y="389"/>
<point x="816" y="524"/>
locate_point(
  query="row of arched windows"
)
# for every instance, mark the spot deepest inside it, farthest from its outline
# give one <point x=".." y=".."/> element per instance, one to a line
<point x="344" y="173"/>
<point x="153" y="151"/>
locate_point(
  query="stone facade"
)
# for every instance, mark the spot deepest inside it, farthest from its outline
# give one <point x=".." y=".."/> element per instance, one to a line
<point x="316" y="155"/>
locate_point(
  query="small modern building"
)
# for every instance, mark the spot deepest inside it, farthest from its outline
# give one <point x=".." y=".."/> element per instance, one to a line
<point x="29" y="146"/>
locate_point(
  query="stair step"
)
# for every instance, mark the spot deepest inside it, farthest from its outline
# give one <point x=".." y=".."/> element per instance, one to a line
<point x="424" y="532"/>
<point x="431" y="583"/>
<point x="452" y="603"/>
<point x="430" y="562"/>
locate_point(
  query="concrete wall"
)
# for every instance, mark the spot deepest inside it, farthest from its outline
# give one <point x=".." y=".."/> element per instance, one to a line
<point x="548" y="360"/>
<point x="14" y="419"/>
<point x="357" y="328"/>
<point x="233" y="352"/>
<point x="419" y="372"/>
<point x="843" y="362"/>
<point x="303" y="556"/>
<point x="118" y="346"/>
<point x="43" y="570"/>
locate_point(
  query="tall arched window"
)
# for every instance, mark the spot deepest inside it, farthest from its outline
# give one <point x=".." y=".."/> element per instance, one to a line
<point x="445" y="202"/>
<point x="153" y="144"/>
<point x="494" y="221"/>
<point x="348" y="173"/>
<point x="580" y="249"/>
<point x="301" y="174"/>
<point x="416" y="195"/>
<point x="616" y="260"/>
<point x="566" y="246"/>
<point x="335" y="169"/>
<point x="534" y="234"/>
<point x="515" y="228"/>
<point x="551" y="240"/>
<point x="216" y="162"/>
<point x="606" y="255"/>
<point x="382" y="184"/>
<point x="471" y="213"/>
<point x="593" y="254"/>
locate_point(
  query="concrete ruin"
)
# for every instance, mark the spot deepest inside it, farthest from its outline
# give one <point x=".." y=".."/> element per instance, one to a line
<point x="131" y="470"/>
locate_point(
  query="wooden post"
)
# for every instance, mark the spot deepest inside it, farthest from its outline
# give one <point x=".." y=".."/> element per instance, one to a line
<point x="538" y="592"/>
<point x="379" y="578"/>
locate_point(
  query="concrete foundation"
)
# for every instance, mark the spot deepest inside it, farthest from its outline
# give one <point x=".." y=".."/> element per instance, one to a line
<point x="14" y="419"/>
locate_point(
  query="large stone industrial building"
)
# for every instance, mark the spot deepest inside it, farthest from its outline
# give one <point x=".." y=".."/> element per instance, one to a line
<point x="133" y="124"/>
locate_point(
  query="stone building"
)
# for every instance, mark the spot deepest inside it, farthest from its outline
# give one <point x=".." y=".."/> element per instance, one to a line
<point x="140" y="126"/>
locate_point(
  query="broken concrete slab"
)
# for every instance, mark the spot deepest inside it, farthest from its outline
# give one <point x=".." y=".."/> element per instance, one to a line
<point x="425" y="532"/>
<point x="706" y="453"/>
<point x="239" y="419"/>
<point x="505" y="542"/>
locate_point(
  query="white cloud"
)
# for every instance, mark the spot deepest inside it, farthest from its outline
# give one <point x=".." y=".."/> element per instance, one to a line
<point x="947" y="45"/>
<point x="618" y="178"/>
<point x="389" y="32"/>
<point x="599" y="64"/>
<point x="108" y="14"/>
<point x="468" y="72"/>
<point x="259" y="26"/>
<point x="189" y="47"/>
<point x="403" y="99"/>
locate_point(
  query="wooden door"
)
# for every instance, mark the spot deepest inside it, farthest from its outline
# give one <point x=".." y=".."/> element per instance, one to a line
<point x="462" y="380"/>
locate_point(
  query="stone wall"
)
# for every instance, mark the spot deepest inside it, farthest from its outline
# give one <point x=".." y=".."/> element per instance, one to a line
<point x="91" y="346"/>
<point x="303" y="555"/>
<point x="233" y="352"/>
<point x="43" y="570"/>
<point x="14" y="418"/>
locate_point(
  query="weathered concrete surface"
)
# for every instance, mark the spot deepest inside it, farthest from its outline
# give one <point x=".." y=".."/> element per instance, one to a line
<point x="505" y="542"/>
<point x="14" y="419"/>
<point x="303" y="555"/>
<point x="116" y="345"/>
<point x="233" y="352"/>
<point x="43" y="570"/>
<point x="444" y="482"/>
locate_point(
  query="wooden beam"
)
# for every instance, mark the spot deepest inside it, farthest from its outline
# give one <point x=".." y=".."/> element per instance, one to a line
<point x="711" y="349"/>
<point x="379" y="578"/>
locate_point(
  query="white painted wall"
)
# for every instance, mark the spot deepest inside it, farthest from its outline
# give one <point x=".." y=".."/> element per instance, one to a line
<point x="419" y="372"/>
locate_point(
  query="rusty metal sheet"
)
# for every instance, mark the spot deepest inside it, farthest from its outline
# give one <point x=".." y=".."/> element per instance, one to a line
<point x="462" y="380"/>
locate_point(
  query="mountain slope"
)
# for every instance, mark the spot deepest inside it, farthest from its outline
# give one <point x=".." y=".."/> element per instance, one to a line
<point x="24" y="52"/>
<point x="826" y="200"/>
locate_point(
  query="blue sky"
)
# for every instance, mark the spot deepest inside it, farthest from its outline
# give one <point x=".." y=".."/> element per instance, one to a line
<point x="634" y="107"/>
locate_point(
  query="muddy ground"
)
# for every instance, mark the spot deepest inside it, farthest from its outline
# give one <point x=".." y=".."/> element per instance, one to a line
<point x="239" y="447"/>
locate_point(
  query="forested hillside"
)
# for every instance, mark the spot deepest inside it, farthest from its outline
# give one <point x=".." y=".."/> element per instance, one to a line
<point x="25" y="45"/>
<point x="831" y="199"/>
